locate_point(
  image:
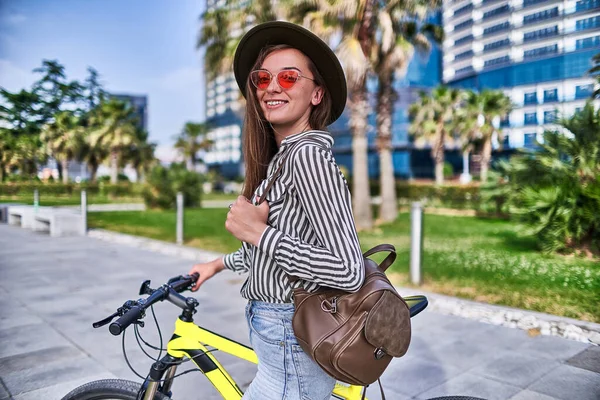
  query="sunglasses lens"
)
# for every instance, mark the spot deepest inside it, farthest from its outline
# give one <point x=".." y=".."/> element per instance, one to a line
<point x="261" y="79"/>
<point x="287" y="79"/>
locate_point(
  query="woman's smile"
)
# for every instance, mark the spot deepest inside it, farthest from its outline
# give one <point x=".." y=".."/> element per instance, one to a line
<point x="275" y="104"/>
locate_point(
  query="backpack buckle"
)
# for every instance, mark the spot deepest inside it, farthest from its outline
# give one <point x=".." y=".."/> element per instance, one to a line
<point x="325" y="304"/>
<point x="379" y="353"/>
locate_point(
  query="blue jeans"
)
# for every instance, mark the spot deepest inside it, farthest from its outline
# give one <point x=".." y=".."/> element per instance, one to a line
<point x="285" y="372"/>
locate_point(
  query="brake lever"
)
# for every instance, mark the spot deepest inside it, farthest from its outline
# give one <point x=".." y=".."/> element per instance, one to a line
<point x="106" y="320"/>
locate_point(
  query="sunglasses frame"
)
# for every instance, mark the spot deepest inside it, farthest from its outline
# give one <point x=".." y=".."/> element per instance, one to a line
<point x="277" y="78"/>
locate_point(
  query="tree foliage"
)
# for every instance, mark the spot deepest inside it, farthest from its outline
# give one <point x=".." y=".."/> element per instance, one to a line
<point x="68" y="121"/>
<point x="165" y="182"/>
<point x="556" y="188"/>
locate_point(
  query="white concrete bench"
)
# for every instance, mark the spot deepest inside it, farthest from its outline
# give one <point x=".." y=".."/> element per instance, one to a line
<point x="58" y="223"/>
<point x="47" y="219"/>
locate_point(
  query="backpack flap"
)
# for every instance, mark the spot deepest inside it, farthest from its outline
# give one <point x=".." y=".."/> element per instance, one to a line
<point x="388" y="325"/>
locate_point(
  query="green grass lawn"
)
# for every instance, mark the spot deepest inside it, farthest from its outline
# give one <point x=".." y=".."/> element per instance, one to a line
<point x="481" y="259"/>
<point x="47" y="200"/>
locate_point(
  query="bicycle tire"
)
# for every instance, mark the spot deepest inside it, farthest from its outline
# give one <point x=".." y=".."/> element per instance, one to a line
<point x="108" y="389"/>
<point x="456" y="398"/>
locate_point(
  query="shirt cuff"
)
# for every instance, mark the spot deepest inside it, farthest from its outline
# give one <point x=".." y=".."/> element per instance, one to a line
<point x="269" y="241"/>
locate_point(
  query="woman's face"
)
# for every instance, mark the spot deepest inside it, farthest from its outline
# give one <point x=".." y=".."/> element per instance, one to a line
<point x="288" y="107"/>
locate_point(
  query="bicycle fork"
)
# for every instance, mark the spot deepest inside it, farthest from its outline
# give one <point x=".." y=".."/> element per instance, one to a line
<point x="165" y="367"/>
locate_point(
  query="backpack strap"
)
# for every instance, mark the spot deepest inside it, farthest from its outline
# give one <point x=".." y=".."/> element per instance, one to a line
<point x="280" y="168"/>
<point x="380" y="389"/>
<point x="389" y="260"/>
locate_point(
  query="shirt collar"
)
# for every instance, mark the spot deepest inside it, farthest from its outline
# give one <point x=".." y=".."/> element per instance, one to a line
<point x="322" y="136"/>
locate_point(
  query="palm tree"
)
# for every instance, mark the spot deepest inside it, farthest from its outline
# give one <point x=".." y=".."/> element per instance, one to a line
<point x="63" y="139"/>
<point x="114" y="129"/>
<point x="352" y="21"/>
<point x="595" y="72"/>
<point x="493" y="105"/>
<point x="191" y="140"/>
<point x="556" y="189"/>
<point x="432" y="116"/>
<point x="141" y="155"/>
<point x="400" y="30"/>
<point x="466" y="127"/>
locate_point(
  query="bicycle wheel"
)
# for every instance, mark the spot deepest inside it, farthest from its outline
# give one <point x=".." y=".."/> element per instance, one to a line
<point x="456" y="398"/>
<point x="108" y="389"/>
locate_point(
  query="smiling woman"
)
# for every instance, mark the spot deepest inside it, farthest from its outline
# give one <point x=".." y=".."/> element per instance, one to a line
<point x="294" y="218"/>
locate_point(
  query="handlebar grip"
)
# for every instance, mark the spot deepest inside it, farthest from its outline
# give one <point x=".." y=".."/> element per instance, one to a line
<point x="122" y="323"/>
<point x="184" y="282"/>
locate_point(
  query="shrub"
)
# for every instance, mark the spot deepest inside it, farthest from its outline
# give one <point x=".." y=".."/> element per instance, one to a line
<point x="164" y="183"/>
<point x="556" y="189"/>
<point x="448" y="171"/>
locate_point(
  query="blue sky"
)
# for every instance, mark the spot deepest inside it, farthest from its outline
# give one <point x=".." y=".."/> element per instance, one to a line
<point x="137" y="46"/>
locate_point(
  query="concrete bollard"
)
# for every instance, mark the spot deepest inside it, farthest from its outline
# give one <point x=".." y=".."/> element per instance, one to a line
<point x="36" y="200"/>
<point x="416" y="242"/>
<point x="179" y="218"/>
<point x="84" y="212"/>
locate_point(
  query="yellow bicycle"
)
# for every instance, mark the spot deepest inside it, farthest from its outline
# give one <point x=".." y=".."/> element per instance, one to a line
<point x="189" y="342"/>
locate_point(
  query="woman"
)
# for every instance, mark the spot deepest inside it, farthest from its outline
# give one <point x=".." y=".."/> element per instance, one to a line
<point x="295" y="87"/>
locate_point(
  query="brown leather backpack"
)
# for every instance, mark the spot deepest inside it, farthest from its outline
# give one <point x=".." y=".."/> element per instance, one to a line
<point x="353" y="336"/>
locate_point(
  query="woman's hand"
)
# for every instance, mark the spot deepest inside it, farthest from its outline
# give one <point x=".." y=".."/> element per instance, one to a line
<point x="246" y="221"/>
<point x="206" y="271"/>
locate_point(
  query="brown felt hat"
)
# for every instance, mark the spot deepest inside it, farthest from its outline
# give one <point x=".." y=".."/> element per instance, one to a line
<point x="282" y="32"/>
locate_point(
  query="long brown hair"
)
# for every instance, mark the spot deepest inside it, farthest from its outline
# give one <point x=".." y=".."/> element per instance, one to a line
<point x="259" y="145"/>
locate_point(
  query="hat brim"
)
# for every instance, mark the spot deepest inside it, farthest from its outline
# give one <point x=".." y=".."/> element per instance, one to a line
<point x="281" y="32"/>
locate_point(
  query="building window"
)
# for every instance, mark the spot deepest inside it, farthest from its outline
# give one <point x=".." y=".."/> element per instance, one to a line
<point x="464" y="39"/>
<point x="496" y="61"/>
<point x="540" y="16"/>
<point x="541" y="51"/>
<point x="505" y="142"/>
<point x="584" y="91"/>
<point x="463" y="25"/>
<point x="541" y="33"/>
<point x="578" y="110"/>
<point x="549" y="117"/>
<point x="587" y="43"/>
<point x="588" y="23"/>
<point x="529" y="140"/>
<point x="530" y="98"/>
<point x="465" y="54"/>
<point x="529" y="3"/>
<point x="530" y="119"/>
<point x="587" y="5"/>
<point x="496" y="28"/>
<point x="464" y="70"/>
<point x="464" y="9"/>
<point x="497" y="11"/>
<point x="496" y="45"/>
<point x="550" y="95"/>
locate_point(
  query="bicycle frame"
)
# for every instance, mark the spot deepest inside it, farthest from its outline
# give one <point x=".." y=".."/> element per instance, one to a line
<point x="191" y="341"/>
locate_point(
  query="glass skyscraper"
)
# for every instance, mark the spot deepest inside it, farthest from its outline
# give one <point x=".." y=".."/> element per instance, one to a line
<point x="537" y="51"/>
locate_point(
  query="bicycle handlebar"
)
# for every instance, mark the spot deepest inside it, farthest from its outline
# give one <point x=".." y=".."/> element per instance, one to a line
<point x="133" y="311"/>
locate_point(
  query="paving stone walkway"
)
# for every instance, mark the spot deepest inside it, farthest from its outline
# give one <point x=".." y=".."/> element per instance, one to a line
<point x="52" y="289"/>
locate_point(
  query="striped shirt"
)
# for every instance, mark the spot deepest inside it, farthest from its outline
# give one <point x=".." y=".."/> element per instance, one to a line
<point x="310" y="234"/>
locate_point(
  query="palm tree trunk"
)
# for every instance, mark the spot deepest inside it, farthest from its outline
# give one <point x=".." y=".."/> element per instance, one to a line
<point x="486" y="156"/>
<point x="93" y="172"/>
<point x="385" y="102"/>
<point x="438" y="154"/>
<point x="114" y="167"/>
<point x="65" y="171"/>
<point x="361" y="196"/>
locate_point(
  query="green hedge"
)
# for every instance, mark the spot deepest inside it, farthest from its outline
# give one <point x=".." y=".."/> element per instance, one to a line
<point x="451" y="196"/>
<point x="69" y="189"/>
